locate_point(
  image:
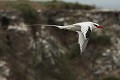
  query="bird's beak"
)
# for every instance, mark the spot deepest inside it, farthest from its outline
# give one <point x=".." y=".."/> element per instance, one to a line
<point x="100" y="27"/>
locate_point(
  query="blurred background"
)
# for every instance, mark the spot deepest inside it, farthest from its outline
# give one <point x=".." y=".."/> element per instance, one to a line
<point x="36" y="52"/>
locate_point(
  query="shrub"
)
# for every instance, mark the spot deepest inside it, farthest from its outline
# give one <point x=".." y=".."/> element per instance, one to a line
<point x="29" y="13"/>
<point x="100" y="39"/>
<point x="111" y="78"/>
<point x="64" y="66"/>
<point x="56" y="4"/>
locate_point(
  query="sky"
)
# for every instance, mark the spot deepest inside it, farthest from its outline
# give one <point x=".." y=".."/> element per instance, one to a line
<point x="111" y="4"/>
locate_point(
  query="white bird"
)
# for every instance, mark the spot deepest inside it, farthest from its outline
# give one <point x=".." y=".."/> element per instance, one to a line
<point x="84" y="30"/>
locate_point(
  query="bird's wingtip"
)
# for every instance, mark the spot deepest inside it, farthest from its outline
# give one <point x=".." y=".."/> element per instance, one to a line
<point x="81" y="52"/>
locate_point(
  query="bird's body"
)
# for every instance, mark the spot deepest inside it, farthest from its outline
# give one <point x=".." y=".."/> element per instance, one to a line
<point x="84" y="30"/>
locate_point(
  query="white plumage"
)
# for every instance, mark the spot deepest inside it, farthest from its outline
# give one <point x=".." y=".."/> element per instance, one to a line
<point x="83" y="29"/>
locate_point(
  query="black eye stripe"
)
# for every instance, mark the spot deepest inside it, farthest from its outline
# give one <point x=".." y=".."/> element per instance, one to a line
<point x="95" y="25"/>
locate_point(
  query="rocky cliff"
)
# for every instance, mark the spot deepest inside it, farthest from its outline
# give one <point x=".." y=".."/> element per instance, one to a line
<point x="47" y="53"/>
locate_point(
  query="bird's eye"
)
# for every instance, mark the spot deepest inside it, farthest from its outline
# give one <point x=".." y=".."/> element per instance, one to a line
<point x="95" y="25"/>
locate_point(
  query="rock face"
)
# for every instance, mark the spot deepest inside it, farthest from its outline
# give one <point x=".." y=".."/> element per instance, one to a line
<point x="46" y="53"/>
<point x="4" y="70"/>
<point x="27" y="54"/>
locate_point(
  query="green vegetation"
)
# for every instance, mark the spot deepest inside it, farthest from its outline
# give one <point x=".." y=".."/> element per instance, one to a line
<point x="100" y="39"/>
<point x="111" y="78"/>
<point x="55" y="4"/>
<point x="75" y="52"/>
<point x="3" y="47"/>
<point x="29" y="13"/>
<point x="2" y="50"/>
<point x="66" y="72"/>
<point x="62" y="69"/>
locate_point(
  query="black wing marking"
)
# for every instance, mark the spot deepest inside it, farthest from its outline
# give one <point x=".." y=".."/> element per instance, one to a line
<point x="88" y="33"/>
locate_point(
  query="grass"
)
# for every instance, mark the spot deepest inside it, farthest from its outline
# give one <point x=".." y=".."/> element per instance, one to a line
<point x="111" y="78"/>
<point x="100" y="39"/>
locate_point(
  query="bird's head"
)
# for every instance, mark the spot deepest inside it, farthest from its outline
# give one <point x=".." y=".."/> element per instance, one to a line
<point x="95" y="25"/>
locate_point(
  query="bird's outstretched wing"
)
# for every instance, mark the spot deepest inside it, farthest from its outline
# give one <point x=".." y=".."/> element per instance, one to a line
<point x="82" y="41"/>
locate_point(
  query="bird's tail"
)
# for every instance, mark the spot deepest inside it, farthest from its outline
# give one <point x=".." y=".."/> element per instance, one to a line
<point x="67" y="27"/>
<point x="61" y="27"/>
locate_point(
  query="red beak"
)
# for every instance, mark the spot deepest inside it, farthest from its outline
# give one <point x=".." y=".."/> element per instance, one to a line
<point x="100" y="27"/>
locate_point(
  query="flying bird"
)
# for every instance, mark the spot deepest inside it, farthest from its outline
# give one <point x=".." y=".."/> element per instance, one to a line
<point x="83" y="29"/>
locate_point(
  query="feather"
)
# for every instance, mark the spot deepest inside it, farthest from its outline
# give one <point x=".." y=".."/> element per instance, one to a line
<point x="82" y="41"/>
